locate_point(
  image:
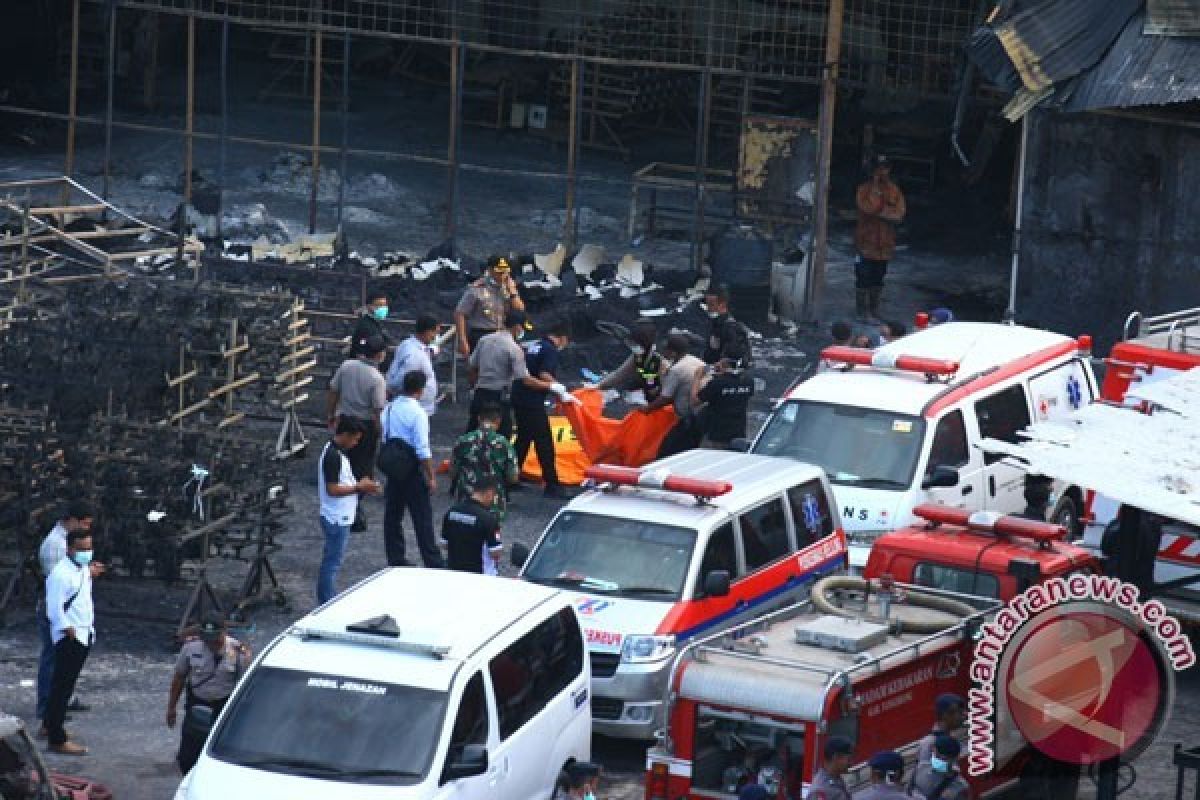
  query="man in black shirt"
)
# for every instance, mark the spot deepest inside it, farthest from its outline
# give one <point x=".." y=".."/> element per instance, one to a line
<point x="370" y="324"/>
<point x="529" y="405"/>
<point x="469" y="528"/>
<point x="726" y="333"/>
<point x="725" y="397"/>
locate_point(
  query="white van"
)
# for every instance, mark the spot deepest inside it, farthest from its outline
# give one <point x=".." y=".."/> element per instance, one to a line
<point x="678" y="548"/>
<point x="900" y="425"/>
<point x="412" y="684"/>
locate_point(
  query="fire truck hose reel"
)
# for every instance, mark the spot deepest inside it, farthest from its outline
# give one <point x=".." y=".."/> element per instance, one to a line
<point x="823" y="588"/>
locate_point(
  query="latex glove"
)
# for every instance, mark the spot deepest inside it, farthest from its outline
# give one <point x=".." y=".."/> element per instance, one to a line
<point x="558" y="389"/>
<point x="589" y="386"/>
<point x="571" y="399"/>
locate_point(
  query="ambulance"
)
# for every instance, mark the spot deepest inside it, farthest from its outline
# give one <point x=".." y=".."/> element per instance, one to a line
<point x="680" y="548"/>
<point x="901" y="425"/>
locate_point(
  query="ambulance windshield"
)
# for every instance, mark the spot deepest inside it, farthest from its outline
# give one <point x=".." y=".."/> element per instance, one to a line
<point x="611" y="555"/>
<point x="855" y="446"/>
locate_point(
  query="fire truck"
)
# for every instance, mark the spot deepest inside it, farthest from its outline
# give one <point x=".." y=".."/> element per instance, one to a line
<point x="758" y="702"/>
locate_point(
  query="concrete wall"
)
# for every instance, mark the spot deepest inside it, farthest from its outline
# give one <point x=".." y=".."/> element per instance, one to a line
<point x="1111" y="222"/>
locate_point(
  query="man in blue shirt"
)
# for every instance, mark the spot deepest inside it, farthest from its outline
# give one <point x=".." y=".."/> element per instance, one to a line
<point x="529" y="404"/>
<point x="416" y="353"/>
<point x="404" y="419"/>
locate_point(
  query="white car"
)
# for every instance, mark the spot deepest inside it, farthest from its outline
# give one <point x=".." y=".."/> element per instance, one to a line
<point x="901" y="425"/>
<point x="412" y="684"/>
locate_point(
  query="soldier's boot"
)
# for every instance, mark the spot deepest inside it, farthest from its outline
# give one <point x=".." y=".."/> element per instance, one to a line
<point x="874" y="296"/>
<point x="861" y="303"/>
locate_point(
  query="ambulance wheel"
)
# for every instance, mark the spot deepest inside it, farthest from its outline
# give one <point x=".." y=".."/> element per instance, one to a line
<point x="1044" y="778"/>
<point x="1066" y="513"/>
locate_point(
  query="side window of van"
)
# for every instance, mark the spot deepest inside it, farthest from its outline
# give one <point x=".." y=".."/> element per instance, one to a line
<point x="764" y="534"/>
<point x="533" y="670"/>
<point x="949" y="448"/>
<point x="720" y="554"/>
<point x="810" y="513"/>
<point x="1001" y="416"/>
<point x="471" y="722"/>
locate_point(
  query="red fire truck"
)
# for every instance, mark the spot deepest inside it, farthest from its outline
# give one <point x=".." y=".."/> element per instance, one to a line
<point x="760" y="701"/>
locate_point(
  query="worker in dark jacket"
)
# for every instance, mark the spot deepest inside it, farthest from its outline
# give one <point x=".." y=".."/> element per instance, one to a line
<point x="370" y="323"/>
<point x="725" y="332"/>
<point x="725" y="397"/>
<point x="645" y="367"/>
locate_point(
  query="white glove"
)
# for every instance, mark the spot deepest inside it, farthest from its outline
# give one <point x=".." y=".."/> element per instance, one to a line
<point x="558" y="389"/>
<point x="570" y="398"/>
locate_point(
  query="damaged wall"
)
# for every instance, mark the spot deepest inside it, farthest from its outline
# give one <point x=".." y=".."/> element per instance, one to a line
<point x="1111" y="222"/>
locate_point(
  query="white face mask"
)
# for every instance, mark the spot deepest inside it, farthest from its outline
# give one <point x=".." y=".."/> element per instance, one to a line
<point x="939" y="764"/>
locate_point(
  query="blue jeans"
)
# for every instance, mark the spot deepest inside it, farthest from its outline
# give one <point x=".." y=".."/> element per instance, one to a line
<point x="45" y="662"/>
<point x="331" y="559"/>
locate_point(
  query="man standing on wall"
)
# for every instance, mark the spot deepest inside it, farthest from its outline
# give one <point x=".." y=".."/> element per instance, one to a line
<point x="880" y="208"/>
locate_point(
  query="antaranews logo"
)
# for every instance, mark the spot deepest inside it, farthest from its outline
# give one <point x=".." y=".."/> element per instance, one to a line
<point x="1079" y="668"/>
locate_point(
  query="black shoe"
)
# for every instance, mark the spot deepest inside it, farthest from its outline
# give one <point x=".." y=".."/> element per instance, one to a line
<point x="558" y="492"/>
<point x="78" y="705"/>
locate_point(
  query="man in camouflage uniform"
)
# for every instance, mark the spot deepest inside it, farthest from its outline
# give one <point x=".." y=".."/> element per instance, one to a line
<point x="484" y="453"/>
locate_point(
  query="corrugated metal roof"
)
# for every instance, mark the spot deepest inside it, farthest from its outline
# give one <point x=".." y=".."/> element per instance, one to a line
<point x="1047" y="41"/>
<point x="1138" y="70"/>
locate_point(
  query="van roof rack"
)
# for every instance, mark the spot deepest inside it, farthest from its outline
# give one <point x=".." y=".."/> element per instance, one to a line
<point x="384" y="635"/>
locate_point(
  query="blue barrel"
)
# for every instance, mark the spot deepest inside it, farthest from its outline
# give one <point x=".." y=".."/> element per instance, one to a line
<point x="740" y="256"/>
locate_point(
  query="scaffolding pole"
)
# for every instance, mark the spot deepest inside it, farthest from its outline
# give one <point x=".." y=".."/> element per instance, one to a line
<point x="72" y="99"/>
<point x="223" y="141"/>
<point x="189" y="117"/>
<point x="318" y="41"/>
<point x="815" y="284"/>
<point x="110" y="67"/>
<point x="341" y="203"/>
<point x="570" y="225"/>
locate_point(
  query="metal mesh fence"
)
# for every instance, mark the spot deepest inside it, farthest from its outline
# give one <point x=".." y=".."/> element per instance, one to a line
<point x="903" y="44"/>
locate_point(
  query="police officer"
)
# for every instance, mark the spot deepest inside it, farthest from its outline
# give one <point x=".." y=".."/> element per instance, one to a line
<point x="726" y="396"/>
<point x="498" y="362"/>
<point x="948" y="710"/>
<point x="643" y="369"/>
<point x="939" y="779"/>
<point x="725" y="332"/>
<point x="828" y="783"/>
<point x="483" y="305"/>
<point x="887" y="773"/>
<point x="529" y="405"/>
<point x="208" y="668"/>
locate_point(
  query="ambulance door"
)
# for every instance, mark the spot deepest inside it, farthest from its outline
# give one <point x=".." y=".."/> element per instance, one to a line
<point x="1060" y="391"/>
<point x="999" y="416"/>
<point x="950" y="448"/>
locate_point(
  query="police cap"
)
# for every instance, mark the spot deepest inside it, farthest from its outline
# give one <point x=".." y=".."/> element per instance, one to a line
<point x="212" y="626"/>
<point x="838" y="746"/>
<point x="886" y="761"/>
<point x="946" y="745"/>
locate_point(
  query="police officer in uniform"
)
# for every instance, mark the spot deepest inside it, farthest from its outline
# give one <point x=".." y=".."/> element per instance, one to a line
<point x="645" y="367"/>
<point x="828" y="783"/>
<point x="949" y="709"/>
<point x="887" y="773"/>
<point x="208" y="668"/>
<point x="939" y="779"/>
<point x="483" y="305"/>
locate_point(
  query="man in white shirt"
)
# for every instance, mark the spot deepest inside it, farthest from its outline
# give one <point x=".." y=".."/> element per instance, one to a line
<point x="53" y="550"/>
<point x="404" y="419"/>
<point x="337" y="491"/>
<point x="416" y="354"/>
<point x="72" y="627"/>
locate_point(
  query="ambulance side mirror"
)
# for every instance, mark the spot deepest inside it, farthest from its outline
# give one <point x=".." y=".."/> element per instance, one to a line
<point x="942" y="477"/>
<point x="716" y="583"/>
<point x="519" y="554"/>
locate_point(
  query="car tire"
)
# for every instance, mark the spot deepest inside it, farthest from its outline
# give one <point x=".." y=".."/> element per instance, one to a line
<point x="1066" y="513"/>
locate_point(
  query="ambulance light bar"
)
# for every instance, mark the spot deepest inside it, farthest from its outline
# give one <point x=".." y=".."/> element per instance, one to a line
<point x="657" y="479"/>
<point x="992" y="522"/>
<point x="862" y="356"/>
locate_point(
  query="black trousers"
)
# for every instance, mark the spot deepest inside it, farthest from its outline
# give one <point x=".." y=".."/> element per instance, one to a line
<point x="484" y="397"/>
<point x="533" y="427"/>
<point x="685" y="435"/>
<point x="412" y="494"/>
<point x="69" y="656"/>
<point x="191" y="741"/>
<point x="362" y="455"/>
<point x="868" y="273"/>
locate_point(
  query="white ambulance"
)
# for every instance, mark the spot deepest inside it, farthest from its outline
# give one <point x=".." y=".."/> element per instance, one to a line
<point x="900" y="425"/>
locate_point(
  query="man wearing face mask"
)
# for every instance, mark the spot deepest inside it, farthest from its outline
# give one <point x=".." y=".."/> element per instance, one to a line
<point x="485" y="302"/>
<point x="72" y="627"/>
<point x="370" y="324"/>
<point x="939" y="779"/>
<point x="725" y="333"/>
<point x="495" y="365"/>
<point x="643" y="369"/>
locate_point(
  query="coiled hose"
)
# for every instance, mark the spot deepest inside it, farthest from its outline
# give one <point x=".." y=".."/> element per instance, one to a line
<point x="831" y="583"/>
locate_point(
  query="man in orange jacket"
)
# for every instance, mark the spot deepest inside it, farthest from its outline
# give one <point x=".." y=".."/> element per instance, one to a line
<point x="880" y="207"/>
